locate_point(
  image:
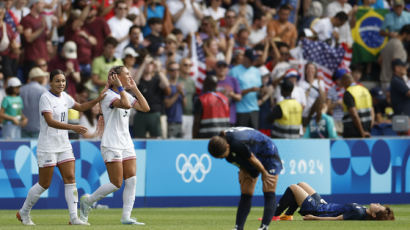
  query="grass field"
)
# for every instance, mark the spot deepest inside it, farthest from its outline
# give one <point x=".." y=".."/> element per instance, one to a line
<point x="209" y="218"/>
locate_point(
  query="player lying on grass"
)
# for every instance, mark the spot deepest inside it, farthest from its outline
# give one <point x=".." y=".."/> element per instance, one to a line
<point x="313" y="207"/>
<point x="254" y="153"/>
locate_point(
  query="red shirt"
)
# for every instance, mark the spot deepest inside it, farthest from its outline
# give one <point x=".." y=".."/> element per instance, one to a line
<point x="84" y="47"/>
<point x="37" y="48"/>
<point x="100" y="30"/>
<point x="61" y="63"/>
<point x="11" y="36"/>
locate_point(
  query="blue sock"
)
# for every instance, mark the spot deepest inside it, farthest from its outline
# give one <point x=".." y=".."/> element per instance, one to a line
<point x="244" y="208"/>
<point x="285" y="202"/>
<point x="269" y="208"/>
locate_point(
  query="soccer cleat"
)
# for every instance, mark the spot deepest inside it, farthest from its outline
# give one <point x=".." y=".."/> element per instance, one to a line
<point x="131" y="221"/>
<point x="263" y="227"/>
<point x="276" y="218"/>
<point x="25" y="219"/>
<point x="77" y="221"/>
<point x="286" y="217"/>
<point x="84" y="208"/>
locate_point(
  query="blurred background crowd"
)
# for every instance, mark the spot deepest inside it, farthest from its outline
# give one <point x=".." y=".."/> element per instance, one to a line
<point x="290" y="68"/>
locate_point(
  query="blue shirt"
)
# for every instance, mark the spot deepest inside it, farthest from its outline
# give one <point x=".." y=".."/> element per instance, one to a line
<point x="394" y="23"/>
<point x="325" y="128"/>
<point x="174" y="113"/>
<point x="351" y="211"/>
<point x="247" y="78"/>
<point x="157" y="13"/>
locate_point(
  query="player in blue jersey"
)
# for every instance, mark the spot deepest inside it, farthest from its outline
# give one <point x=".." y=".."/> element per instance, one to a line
<point x="254" y="153"/>
<point x="313" y="207"/>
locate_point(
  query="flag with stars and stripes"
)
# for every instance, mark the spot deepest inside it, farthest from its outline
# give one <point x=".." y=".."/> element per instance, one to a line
<point x="199" y="65"/>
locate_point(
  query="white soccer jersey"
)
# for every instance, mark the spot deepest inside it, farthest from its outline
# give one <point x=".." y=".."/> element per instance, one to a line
<point x="51" y="139"/>
<point x="116" y="122"/>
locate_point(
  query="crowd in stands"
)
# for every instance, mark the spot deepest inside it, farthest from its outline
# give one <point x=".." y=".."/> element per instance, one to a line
<point x="205" y="65"/>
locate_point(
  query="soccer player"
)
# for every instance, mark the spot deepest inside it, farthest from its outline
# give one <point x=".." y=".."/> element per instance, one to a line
<point x="54" y="147"/>
<point x="117" y="148"/>
<point x="254" y="153"/>
<point x="313" y="207"/>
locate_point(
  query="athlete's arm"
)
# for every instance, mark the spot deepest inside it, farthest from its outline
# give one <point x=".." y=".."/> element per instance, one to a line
<point x="123" y="102"/>
<point x="266" y="177"/>
<point x="311" y="217"/>
<point x="141" y="104"/>
<point x="89" y="104"/>
<point x="48" y="116"/>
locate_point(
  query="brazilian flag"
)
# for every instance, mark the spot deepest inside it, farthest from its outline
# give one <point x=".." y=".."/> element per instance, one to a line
<point x="367" y="40"/>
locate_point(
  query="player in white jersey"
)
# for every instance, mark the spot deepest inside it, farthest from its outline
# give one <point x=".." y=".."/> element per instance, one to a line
<point x="117" y="148"/>
<point x="54" y="148"/>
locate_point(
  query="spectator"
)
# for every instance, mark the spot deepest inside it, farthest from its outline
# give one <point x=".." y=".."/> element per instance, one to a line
<point x="211" y="111"/>
<point x="297" y="93"/>
<point x="102" y="64"/>
<point x="42" y="64"/>
<point x="320" y="124"/>
<point x="282" y="28"/>
<point x="35" y="36"/>
<point x="250" y="80"/>
<point x="171" y="53"/>
<point x="286" y="116"/>
<point x="186" y="15"/>
<point x="229" y="87"/>
<point x="120" y="26"/>
<point x="243" y="9"/>
<point x="344" y="31"/>
<point x="74" y="31"/>
<point x="242" y="40"/>
<point x="212" y="53"/>
<point x="326" y="28"/>
<point x="67" y="62"/>
<point x="154" y="86"/>
<point x="381" y="107"/>
<point x="394" y="49"/>
<point x="258" y="30"/>
<point x="358" y="109"/>
<point x="335" y="99"/>
<point x="89" y="119"/>
<point x="9" y="48"/>
<point x="20" y="9"/>
<point x="188" y="83"/>
<point x="231" y="23"/>
<point x="155" y="38"/>
<point x="98" y="28"/>
<point x="282" y="64"/>
<point x="30" y="94"/>
<point x="265" y="102"/>
<point x="399" y="91"/>
<point x="135" y="11"/>
<point x="135" y="38"/>
<point x="356" y="72"/>
<point x="174" y="102"/>
<point x="395" y="20"/>
<point x="152" y="9"/>
<point x="215" y="10"/>
<point x="209" y="30"/>
<point x="11" y="110"/>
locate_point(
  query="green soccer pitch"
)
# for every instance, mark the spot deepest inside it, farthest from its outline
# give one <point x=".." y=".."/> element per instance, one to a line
<point x="201" y="218"/>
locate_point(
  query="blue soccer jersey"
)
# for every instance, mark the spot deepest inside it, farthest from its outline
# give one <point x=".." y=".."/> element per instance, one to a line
<point x="245" y="141"/>
<point x="350" y="211"/>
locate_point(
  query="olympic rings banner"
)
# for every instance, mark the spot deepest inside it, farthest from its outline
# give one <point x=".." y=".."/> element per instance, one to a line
<point x="182" y="173"/>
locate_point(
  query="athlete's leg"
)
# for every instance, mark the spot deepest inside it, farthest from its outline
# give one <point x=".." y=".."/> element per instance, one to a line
<point x="248" y="184"/>
<point x="269" y="202"/>
<point x="311" y="192"/>
<point x="299" y="193"/>
<point x="130" y="181"/>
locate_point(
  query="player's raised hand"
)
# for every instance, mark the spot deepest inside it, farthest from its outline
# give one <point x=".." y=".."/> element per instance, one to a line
<point x="79" y="129"/>
<point x="116" y="80"/>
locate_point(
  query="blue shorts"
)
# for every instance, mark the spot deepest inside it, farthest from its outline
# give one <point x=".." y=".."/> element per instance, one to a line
<point x="270" y="161"/>
<point x="311" y="206"/>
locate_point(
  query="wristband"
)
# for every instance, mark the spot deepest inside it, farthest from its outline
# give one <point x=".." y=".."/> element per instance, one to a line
<point x="120" y="89"/>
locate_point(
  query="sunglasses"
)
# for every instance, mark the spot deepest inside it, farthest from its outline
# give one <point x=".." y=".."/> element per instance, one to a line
<point x="187" y="64"/>
<point x="173" y="70"/>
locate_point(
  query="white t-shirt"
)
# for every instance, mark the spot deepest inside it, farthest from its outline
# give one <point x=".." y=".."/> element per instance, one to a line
<point x="297" y="93"/>
<point x="216" y="15"/>
<point x="187" y="22"/>
<point x="119" y="29"/>
<point x="116" y="122"/>
<point x="51" y="139"/>
<point x="324" y="29"/>
<point x="257" y="36"/>
<point x="345" y="36"/>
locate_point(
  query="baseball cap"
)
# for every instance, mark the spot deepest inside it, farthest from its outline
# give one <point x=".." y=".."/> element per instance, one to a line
<point x="37" y="72"/>
<point x="13" y="82"/>
<point x="292" y="73"/>
<point x="377" y="93"/>
<point x="398" y="3"/>
<point x="249" y="53"/>
<point x="70" y="50"/>
<point x="130" y="51"/>
<point x="339" y="73"/>
<point x="398" y="61"/>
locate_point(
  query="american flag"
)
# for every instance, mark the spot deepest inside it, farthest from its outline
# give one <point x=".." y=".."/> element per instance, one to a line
<point x="198" y="61"/>
<point x="327" y="58"/>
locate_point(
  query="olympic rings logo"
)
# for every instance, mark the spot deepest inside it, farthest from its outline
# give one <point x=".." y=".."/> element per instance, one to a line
<point x="193" y="167"/>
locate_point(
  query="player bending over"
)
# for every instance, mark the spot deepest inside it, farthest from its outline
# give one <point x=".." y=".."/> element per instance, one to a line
<point x="313" y="207"/>
<point x="254" y="153"/>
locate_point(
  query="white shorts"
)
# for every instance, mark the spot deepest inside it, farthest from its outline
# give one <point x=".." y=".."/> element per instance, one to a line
<point x="115" y="155"/>
<point x="50" y="159"/>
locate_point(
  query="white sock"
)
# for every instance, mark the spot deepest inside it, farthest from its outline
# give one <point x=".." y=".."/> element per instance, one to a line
<point x="32" y="197"/>
<point x="128" y="197"/>
<point x="71" y="197"/>
<point x="101" y="192"/>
